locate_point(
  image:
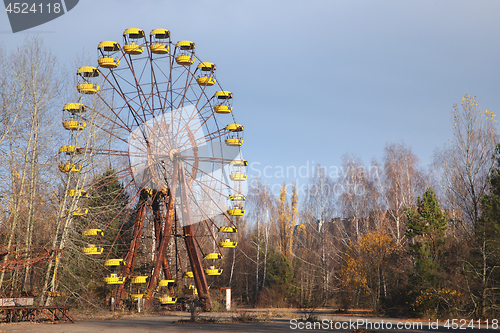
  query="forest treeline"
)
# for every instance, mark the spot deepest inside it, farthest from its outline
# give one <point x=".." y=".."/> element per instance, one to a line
<point x="401" y="240"/>
<point x="393" y="236"/>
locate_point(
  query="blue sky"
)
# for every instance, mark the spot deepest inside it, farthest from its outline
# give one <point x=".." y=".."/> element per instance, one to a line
<point x="314" y="80"/>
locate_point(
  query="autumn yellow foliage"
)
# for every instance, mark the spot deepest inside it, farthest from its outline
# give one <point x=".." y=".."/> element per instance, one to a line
<point x="365" y="261"/>
<point x="287" y="218"/>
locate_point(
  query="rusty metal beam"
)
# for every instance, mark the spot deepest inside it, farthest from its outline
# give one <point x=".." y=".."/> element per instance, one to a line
<point x="27" y="255"/>
<point x="193" y="253"/>
<point x="134" y="246"/>
<point x="160" y="258"/>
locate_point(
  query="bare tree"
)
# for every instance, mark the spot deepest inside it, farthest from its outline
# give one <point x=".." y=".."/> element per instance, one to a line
<point x="403" y="181"/>
<point x="97" y="135"/>
<point x="262" y="207"/>
<point x="359" y="193"/>
<point x="11" y="84"/>
<point x="318" y="249"/>
<point x="36" y="88"/>
<point x="463" y="166"/>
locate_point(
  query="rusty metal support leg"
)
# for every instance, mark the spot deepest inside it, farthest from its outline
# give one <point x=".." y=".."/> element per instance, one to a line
<point x="196" y="265"/>
<point x="192" y="249"/>
<point x="162" y="248"/>
<point x="157" y="218"/>
<point x="134" y="246"/>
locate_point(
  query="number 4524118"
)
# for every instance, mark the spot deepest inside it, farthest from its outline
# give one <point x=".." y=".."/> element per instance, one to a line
<point x="25" y="8"/>
<point x="463" y="324"/>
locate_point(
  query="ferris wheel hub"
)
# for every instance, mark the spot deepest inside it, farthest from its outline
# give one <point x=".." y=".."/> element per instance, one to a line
<point x="173" y="154"/>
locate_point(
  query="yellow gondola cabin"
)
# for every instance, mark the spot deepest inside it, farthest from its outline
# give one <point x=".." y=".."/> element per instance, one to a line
<point x="159" y="41"/>
<point x="133" y="41"/>
<point x="206" y="74"/>
<point x="107" y="52"/>
<point x="223" y="100"/>
<point x="184" y="53"/>
<point x="86" y="75"/>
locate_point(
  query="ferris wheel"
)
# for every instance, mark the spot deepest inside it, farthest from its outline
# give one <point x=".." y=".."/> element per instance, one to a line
<point x="173" y="140"/>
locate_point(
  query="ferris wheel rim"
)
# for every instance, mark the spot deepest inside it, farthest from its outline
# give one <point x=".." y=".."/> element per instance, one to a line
<point x="149" y="94"/>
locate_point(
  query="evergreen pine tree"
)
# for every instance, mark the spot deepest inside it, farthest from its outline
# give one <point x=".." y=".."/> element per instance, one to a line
<point x="107" y="206"/>
<point x="106" y="210"/>
<point x="425" y="231"/>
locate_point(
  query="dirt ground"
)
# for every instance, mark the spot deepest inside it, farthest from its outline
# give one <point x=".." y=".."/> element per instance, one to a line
<point x="275" y="320"/>
<point x="171" y="321"/>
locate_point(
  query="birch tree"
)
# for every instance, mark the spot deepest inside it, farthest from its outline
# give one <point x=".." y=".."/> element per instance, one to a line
<point x="465" y="164"/>
<point x="36" y="74"/>
<point x="359" y="193"/>
<point x="402" y="182"/>
<point x="318" y="247"/>
<point x="262" y="210"/>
